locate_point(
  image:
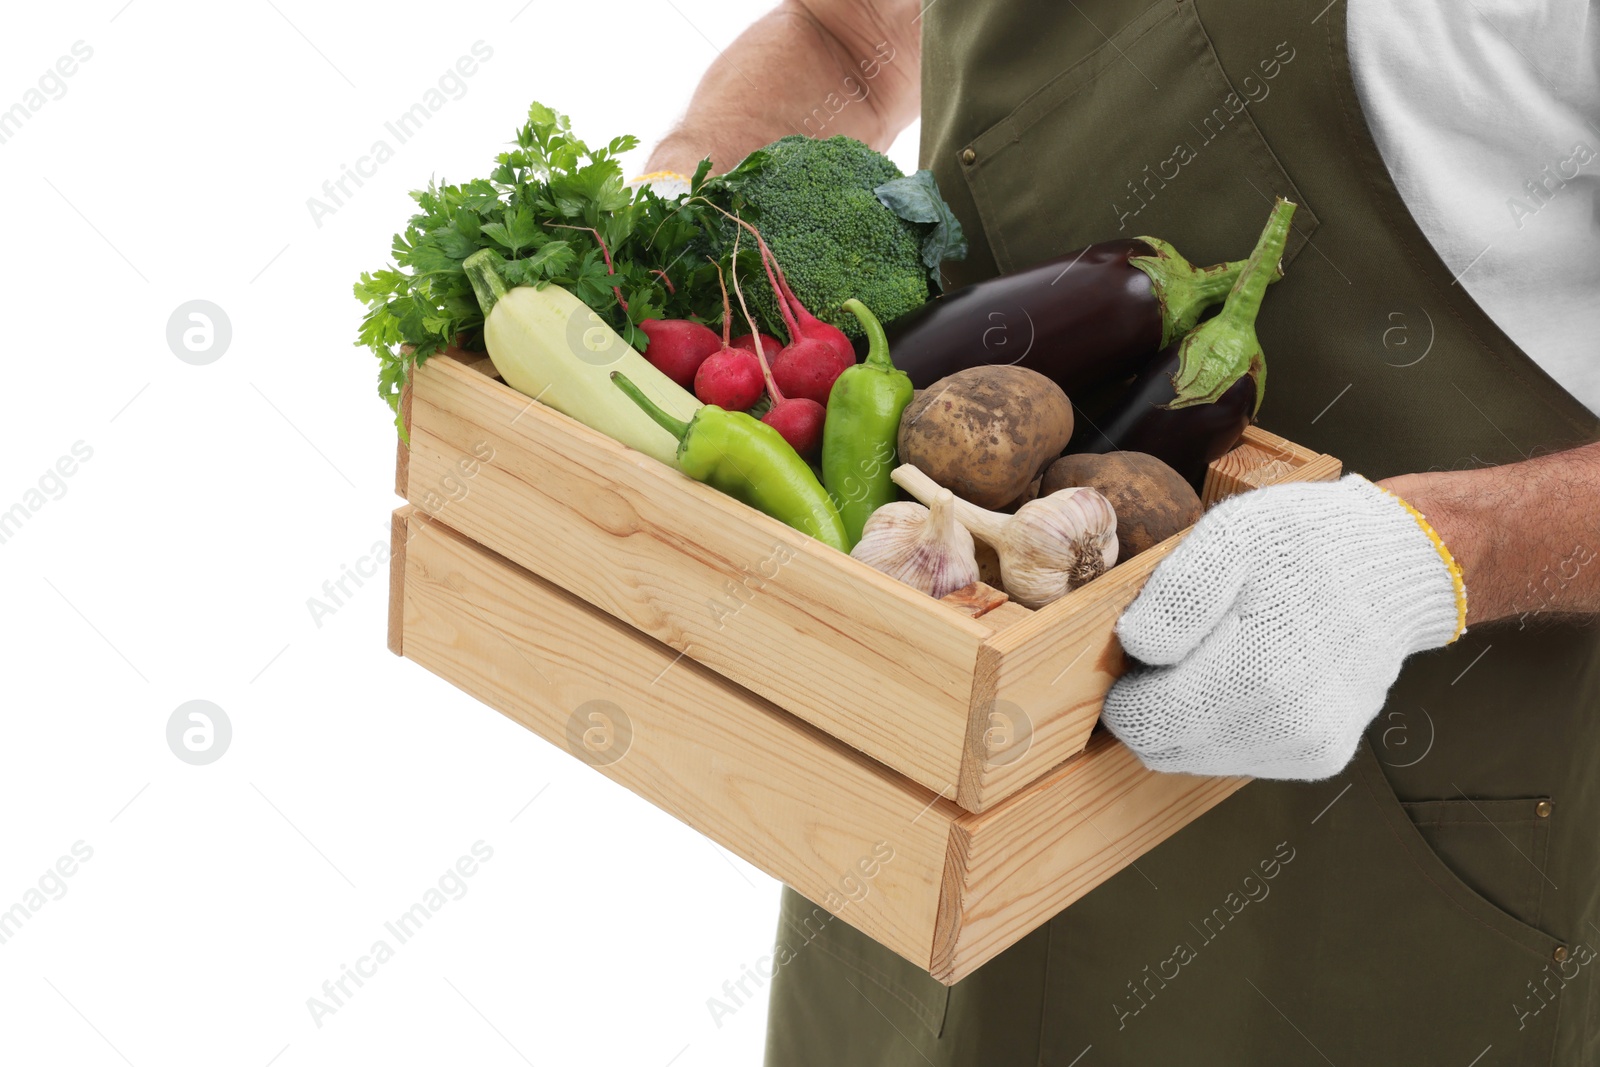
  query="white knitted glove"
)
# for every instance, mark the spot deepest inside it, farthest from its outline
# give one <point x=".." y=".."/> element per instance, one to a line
<point x="1273" y="631"/>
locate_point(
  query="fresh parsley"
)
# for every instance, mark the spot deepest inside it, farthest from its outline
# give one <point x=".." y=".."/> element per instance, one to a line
<point x="541" y="208"/>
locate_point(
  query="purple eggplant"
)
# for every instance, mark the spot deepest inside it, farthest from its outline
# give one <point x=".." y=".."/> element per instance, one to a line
<point x="1194" y="403"/>
<point x="1098" y="315"/>
<point x="1186" y="439"/>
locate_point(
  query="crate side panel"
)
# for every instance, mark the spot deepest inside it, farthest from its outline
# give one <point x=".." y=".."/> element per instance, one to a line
<point x="794" y="802"/>
<point x="1050" y="672"/>
<point x="1018" y="865"/>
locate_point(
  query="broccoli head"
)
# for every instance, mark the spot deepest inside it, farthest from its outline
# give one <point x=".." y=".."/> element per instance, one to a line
<point x="817" y="202"/>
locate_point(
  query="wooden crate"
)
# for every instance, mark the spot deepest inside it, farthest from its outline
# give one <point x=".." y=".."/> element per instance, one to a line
<point x="821" y="721"/>
<point x="970" y="711"/>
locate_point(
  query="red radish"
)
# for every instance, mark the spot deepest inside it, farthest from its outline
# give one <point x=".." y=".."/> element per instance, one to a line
<point x="730" y="377"/>
<point x="809" y="325"/>
<point x="808" y="368"/>
<point x="797" y="420"/>
<point x="747" y="342"/>
<point x="678" y="346"/>
<point x="809" y="364"/>
<point x="817" y="353"/>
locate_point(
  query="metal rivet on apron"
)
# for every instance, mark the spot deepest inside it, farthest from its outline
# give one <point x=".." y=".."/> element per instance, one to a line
<point x="1543" y="809"/>
<point x="1560" y="953"/>
<point x="968" y="156"/>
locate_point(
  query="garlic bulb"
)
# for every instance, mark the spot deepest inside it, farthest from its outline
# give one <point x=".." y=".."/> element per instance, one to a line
<point x="1052" y="545"/>
<point x="924" y="547"/>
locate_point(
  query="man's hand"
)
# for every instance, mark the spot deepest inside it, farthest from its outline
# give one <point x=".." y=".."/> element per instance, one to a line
<point x="1272" y="633"/>
<point x="813" y="67"/>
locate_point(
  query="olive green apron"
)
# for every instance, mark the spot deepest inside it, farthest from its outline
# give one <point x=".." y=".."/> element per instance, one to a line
<point x="1437" y="903"/>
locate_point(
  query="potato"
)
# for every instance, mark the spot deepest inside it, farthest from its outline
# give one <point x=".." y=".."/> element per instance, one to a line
<point x="1152" y="501"/>
<point x="986" y="432"/>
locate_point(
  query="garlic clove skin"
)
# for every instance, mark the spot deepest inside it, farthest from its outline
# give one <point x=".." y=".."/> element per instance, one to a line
<point x="1056" y="543"/>
<point x="923" y="547"/>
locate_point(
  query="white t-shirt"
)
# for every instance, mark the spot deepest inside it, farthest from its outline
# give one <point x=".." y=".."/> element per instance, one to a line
<point x="1487" y="114"/>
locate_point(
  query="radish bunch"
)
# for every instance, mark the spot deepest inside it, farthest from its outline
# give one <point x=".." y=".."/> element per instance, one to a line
<point x="817" y="353"/>
<point x="732" y="373"/>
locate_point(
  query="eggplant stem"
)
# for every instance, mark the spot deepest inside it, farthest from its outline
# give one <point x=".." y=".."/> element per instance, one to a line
<point x="1217" y="353"/>
<point x="1265" y="263"/>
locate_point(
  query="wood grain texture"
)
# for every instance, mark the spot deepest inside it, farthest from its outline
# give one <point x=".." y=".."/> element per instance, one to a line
<point x="477" y="361"/>
<point x="1261" y="458"/>
<point x="869" y="660"/>
<point x="1003" y="615"/>
<point x="1048" y="673"/>
<point x="398" y="527"/>
<point x="402" y="451"/>
<point x="975" y="601"/>
<point x="1012" y="868"/>
<point x="770" y="788"/>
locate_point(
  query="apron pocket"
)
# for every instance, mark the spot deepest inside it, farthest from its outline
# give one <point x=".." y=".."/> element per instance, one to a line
<point x="1119" y="133"/>
<point x="1498" y="848"/>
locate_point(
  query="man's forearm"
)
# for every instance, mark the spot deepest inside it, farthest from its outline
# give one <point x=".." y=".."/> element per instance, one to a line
<point x="1526" y="535"/>
<point x="819" y="68"/>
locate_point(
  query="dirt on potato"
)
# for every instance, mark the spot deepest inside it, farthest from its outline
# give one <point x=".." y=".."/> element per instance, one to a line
<point x="985" y="433"/>
<point x="1152" y="501"/>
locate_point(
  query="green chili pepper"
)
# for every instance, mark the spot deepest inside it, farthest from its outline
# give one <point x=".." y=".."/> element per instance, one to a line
<point x="863" y="423"/>
<point x="751" y="462"/>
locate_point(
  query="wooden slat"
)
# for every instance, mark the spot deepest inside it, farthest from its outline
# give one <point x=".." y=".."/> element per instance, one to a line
<point x="476" y="361"/>
<point x="1321" y="469"/>
<point x="1013" y="868"/>
<point x="402" y="451"/>
<point x="398" y="527"/>
<point x="781" y="794"/>
<point x="1261" y="458"/>
<point x="868" y="659"/>
<point x="1050" y="671"/>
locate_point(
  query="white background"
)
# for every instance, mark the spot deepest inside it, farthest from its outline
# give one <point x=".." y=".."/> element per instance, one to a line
<point x="176" y="564"/>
